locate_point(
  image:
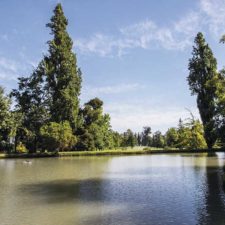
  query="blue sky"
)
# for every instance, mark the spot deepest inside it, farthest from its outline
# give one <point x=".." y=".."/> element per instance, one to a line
<point x="133" y="53"/>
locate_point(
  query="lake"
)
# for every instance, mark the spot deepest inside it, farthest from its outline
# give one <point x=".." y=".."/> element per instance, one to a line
<point x="113" y="190"/>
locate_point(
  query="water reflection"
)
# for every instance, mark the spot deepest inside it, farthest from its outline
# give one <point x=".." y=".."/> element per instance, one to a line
<point x="214" y="197"/>
<point x="134" y="190"/>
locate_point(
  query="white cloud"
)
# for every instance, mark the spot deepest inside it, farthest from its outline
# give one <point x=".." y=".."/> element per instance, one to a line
<point x="213" y="16"/>
<point x="11" y="69"/>
<point x="135" y="116"/>
<point x="145" y="35"/>
<point x="178" y="35"/>
<point x="98" y="43"/>
<point x="91" y="92"/>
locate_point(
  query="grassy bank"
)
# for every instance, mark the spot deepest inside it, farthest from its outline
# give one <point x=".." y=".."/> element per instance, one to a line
<point x="28" y="155"/>
<point x="128" y="151"/>
<point x="135" y="152"/>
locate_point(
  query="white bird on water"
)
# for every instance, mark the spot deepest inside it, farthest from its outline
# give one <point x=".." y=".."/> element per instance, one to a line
<point x="27" y="162"/>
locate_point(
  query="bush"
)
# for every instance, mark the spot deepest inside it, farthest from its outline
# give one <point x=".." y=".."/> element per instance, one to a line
<point x="57" y="136"/>
<point x="20" y="148"/>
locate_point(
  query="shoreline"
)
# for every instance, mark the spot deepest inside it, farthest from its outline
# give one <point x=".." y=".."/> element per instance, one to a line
<point x="105" y="153"/>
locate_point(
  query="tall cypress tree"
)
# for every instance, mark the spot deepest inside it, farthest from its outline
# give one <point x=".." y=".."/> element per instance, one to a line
<point x="202" y="72"/>
<point x="63" y="75"/>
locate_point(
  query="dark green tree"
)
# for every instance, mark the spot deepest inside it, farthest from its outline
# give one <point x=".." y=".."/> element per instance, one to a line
<point x="96" y="131"/>
<point x="158" y="140"/>
<point x="145" y="137"/>
<point x="129" y="139"/>
<point x="202" y="70"/>
<point x="32" y="107"/>
<point x="63" y="75"/>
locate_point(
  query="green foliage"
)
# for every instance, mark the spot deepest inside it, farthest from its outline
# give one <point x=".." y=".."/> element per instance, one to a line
<point x="63" y="76"/>
<point x="202" y="70"/>
<point x="32" y="107"/>
<point x="190" y="135"/>
<point x="4" y="109"/>
<point x="58" y="136"/>
<point x="171" y="137"/>
<point x="129" y="139"/>
<point x="158" y="140"/>
<point x="97" y="133"/>
<point x="6" y="121"/>
<point x="146" y="139"/>
<point x="219" y="82"/>
<point x="85" y="141"/>
<point x="117" y="139"/>
<point x="21" y="148"/>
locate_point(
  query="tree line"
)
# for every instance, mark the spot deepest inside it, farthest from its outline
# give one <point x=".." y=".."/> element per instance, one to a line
<point x="47" y="114"/>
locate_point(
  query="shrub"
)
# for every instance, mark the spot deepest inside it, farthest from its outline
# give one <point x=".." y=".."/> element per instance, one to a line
<point x="57" y="136"/>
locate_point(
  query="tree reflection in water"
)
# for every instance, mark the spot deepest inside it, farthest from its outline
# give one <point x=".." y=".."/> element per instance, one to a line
<point x="214" y="196"/>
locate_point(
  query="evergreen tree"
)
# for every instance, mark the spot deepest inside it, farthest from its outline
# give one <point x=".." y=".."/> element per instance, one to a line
<point x="202" y="70"/>
<point x="63" y="75"/>
<point x="146" y="138"/>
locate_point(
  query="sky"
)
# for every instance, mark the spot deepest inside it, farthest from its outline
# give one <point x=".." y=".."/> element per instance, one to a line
<point x="133" y="53"/>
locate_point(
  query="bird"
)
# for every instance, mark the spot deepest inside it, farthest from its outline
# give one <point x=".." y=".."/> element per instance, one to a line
<point x="27" y="162"/>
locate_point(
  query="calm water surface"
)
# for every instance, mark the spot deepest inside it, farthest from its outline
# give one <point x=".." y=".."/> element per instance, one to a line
<point x="125" y="190"/>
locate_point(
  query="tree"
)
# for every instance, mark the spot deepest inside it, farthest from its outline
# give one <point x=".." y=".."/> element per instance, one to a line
<point x="139" y="139"/>
<point x="171" y="137"/>
<point x="146" y="138"/>
<point x="202" y="70"/>
<point x="96" y="131"/>
<point x="6" y="123"/>
<point x="220" y="85"/>
<point x="63" y="75"/>
<point x="196" y="139"/>
<point x="158" y="140"/>
<point x="190" y="134"/>
<point x="129" y="139"/>
<point x="183" y="135"/>
<point x="32" y="107"/>
<point x="117" y="139"/>
<point x="4" y="110"/>
<point x="58" y="136"/>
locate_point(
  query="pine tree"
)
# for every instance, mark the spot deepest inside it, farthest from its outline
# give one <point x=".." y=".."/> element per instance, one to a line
<point x="63" y="75"/>
<point x="202" y="70"/>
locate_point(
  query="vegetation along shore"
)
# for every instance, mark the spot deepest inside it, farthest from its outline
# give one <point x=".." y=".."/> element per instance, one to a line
<point x="44" y="113"/>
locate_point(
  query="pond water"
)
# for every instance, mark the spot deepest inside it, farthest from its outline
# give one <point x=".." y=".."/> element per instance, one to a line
<point x="117" y="190"/>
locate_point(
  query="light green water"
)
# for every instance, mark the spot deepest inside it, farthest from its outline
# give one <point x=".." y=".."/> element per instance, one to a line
<point x="123" y="190"/>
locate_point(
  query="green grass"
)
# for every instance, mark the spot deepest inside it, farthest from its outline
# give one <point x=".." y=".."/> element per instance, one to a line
<point x="27" y="155"/>
<point x="104" y="152"/>
<point x="133" y="151"/>
<point x="120" y="151"/>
